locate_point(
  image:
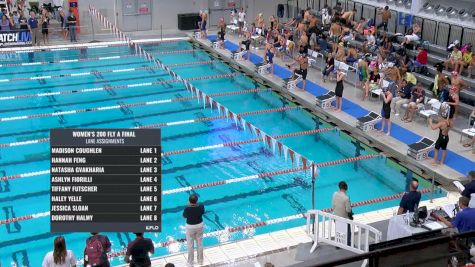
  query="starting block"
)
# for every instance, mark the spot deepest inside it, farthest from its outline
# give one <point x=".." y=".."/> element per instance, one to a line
<point x="238" y="55"/>
<point x="367" y="122"/>
<point x="420" y="150"/>
<point x="263" y="69"/>
<point x="325" y="101"/>
<point x="218" y="45"/>
<point x="290" y="83"/>
<point x="197" y="35"/>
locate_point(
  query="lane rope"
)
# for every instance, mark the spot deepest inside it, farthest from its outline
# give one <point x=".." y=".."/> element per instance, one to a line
<point x="235" y="180"/>
<point x="149" y="126"/>
<point x="243" y="142"/>
<point x="68" y="112"/>
<point x="81" y="46"/>
<point x="99" y="72"/>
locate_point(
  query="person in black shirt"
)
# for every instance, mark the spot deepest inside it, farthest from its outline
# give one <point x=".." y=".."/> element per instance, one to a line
<point x="194" y="228"/>
<point x="470" y="187"/>
<point x="138" y="250"/>
<point x="410" y="200"/>
<point x="72" y="27"/>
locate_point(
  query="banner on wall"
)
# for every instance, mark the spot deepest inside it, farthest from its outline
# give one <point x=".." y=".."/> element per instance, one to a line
<point x="15" y="38"/>
<point x="405" y="19"/>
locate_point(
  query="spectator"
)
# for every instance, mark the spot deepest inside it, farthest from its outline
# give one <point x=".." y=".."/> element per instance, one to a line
<point x="16" y="20"/>
<point x="326" y="15"/>
<point x="408" y="76"/>
<point x="469" y="190"/>
<point x="386" y="111"/>
<point x="335" y="32"/>
<point x="241" y="19"/>
<point x="404" y="96"/>
<point x="455" y="59"/>
<point x="33" y="27"/>
<point x="421" y="59"/>
<point x="352" y="56"/>
<point x="412" y="35"/>
<point x="138" y="251"/>
<point x="5" y="24"/>
<point x="468" y="60"/>
<point x="60" y="256"/>
<point x="471" y="122"/>
<point x="329" y="67"/>
<point x="204" y="21"/>
<point x="464" y="221"/>
<point x="340" y="75"/>
<point x="23" y="22"/>
<point x="417" y="102"/>
<point x="95" y="253"/>
<point x="373" y="82"/>
<point x="442" y="140"/>
<point x="385" y="17"/>
<point x="411" y="199"/>
<point x="337" y="9"/>
<point x="456" y="82"/>
<point x="341" y="205"/>
<point x="194" y="228"/>
<point x="72" y="26"/>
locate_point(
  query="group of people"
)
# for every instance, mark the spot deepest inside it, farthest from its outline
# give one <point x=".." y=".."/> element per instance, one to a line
<point x="138" y="251"/>
<point x="38" y="24"/>
<point x="381" y="60"/>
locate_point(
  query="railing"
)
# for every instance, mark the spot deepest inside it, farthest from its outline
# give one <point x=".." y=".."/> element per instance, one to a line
<point x="340" y="232"/>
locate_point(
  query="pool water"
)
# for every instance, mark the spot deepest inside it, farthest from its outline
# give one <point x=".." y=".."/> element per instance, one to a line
<point x="26" y="242"/>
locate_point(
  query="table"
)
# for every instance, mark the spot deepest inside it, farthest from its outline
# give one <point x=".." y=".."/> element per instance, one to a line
<point x="399" y="227"/>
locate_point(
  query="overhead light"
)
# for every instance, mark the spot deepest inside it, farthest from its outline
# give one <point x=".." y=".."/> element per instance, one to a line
<point x="400" y="3"/>
<point x="391" y="1"/>
<point x="428" y="7"/>
<point x="463" y="14"/>
<point x="439" y="10"/>
<point x="408" y="3"/>
<point x="472" y="14"/>
<point x="451" y="12"/>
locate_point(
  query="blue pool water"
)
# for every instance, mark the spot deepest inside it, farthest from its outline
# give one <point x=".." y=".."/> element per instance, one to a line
<point x="25" y="243"/>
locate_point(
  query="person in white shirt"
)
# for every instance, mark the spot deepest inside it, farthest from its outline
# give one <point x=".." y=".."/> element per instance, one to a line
<point x="60" y="256"/>
<point x="341" y="205"/>
<point x="241" y="19"/>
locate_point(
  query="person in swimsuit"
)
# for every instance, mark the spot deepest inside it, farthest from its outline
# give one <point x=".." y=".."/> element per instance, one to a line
<point x="204" y="20"/>
<point x="340" y="75"/>
<point x="453" y="102"/>
<point x="335" y="31"/>
<point x="221" y="32"/>
<point x="372" y="83"/>
<point x="302" y="60"/>
<point x="269" y="57"/>
<point x="362" y="72"/>
<point x="247" y="45"/>
<point x="442" y="141"/>
<point x="386" y="110"/>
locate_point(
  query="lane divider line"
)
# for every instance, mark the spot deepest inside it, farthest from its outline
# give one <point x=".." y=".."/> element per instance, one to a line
<point x="243" y="142"/>
<point x="46" y="140"/>
<point x="101" y="72"/>
<point x="68" y="112"/>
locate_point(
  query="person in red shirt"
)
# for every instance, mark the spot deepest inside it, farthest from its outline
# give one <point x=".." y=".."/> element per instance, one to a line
<point x="421" y="59"/>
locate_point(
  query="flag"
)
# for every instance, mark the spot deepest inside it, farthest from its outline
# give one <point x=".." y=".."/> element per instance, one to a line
<point x="292" y="155"/>
<point x="279" y="145"/>
<point x="304" y="162"/>
<point x="243" y="123"/>
<point x="249" y="127"/>
<point x="286" y="149"/>
<point x="297" y="158"/>
<point x="268" y="140"/>
<point x="274" y="142"/>
<point x="235" y="119"/>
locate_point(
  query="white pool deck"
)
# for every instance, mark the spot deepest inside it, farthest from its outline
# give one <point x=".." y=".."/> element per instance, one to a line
<point x="263" y="248"/>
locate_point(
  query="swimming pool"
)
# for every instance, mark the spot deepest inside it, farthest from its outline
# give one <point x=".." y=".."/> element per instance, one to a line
<point x="107" y="88"/>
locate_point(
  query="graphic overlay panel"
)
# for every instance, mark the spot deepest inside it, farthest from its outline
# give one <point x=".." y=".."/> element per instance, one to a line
<point x="105" y="180"/>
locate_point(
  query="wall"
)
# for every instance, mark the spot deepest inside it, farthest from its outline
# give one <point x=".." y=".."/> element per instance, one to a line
<point x="164" y="12"/>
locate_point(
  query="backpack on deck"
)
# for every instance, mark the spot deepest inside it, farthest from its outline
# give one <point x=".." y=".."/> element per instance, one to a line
<point x="94" y="252"/>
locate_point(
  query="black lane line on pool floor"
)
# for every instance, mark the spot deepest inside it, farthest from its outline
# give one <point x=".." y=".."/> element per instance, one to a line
<point x="94" y="101"/>
<point x="84" y="83"/>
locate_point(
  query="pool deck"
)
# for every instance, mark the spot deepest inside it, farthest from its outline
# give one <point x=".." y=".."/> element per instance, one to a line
<point x="392" y="147"/>
<point x="279" y="247"/>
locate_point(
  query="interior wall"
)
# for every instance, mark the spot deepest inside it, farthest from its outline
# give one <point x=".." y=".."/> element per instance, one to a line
<point x="164" y="12"/>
